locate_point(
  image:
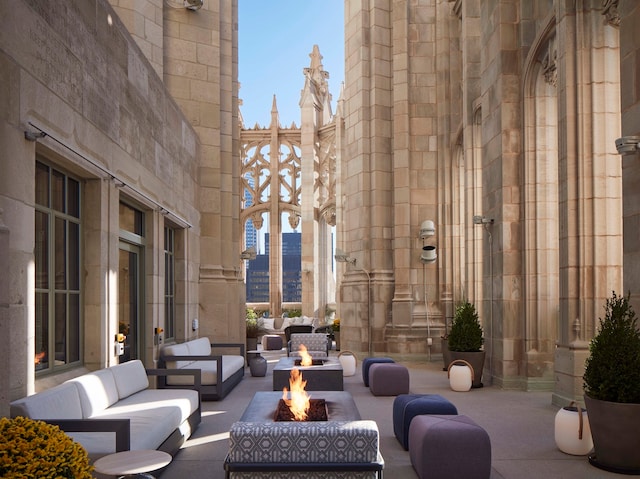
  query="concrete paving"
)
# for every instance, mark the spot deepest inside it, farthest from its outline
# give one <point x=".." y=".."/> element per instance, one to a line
<point x="520" y="425"/>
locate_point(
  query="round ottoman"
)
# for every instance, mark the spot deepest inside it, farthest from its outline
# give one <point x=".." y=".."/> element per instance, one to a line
<point x="366" y="364"/>
<point x="271" y="342"/>
<point x="388" y="379"/>
<point x="408" y="406"/>
<point x="442" y="447"/>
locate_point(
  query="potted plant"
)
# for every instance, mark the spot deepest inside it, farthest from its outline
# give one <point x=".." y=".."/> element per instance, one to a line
<point x="465" y="340"/>
<point x="254" y="329"/>
<point x="612" y="388"/>
<point x="31" y="448"/>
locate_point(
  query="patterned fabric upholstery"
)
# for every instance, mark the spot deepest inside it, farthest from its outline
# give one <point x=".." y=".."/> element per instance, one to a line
<point x="304" y="442"/>
<point x="317" y="344"/>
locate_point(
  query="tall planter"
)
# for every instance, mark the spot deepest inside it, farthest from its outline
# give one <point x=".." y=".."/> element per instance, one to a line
<point x="614" y="429"/>
<point x="476" y="359"/>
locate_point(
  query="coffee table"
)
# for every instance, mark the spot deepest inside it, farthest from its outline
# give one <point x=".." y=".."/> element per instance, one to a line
<point x="340" y="405"/>
<point x="325" y="377"/>
<point x="132" y="463"/>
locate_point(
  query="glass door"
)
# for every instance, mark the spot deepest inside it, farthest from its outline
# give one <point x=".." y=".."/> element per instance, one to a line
<point x="130" y="300"/>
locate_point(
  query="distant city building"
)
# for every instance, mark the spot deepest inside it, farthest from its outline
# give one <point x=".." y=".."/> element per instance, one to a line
<point x="258" y="271"/>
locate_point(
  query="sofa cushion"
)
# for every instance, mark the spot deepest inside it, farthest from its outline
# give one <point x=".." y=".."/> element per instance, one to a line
<point x="59" y="402"/>
<point x="181" y="349"/>
<point x="97" y="391"/>
<point x="268" y="324"/>
<point x="130" y="377"/>
<point x="154" y="415"/>
<point x="199" y="347"/>
<point x="209" y="371"/>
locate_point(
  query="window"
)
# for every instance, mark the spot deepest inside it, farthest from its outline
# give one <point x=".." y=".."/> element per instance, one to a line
<point x="57" y="268"/>
<point x="169" y="282"/>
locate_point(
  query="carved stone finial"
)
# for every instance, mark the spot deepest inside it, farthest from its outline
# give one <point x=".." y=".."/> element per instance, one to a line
<point x="610" y="11"/>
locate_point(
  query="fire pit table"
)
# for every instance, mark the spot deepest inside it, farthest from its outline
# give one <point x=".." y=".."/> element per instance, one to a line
<point x="259" y="446"/>
<point x="325" y="375"/>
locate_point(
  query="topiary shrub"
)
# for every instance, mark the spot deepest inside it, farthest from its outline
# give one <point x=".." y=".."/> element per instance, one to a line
<point x="466" y="332"/>
<point x="612" y="370"/>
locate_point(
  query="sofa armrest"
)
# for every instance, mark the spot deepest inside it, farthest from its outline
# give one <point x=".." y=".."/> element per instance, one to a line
<point x="240" y="346"/>
<point x="121" y="428"/>
<point x="162" y="374"/>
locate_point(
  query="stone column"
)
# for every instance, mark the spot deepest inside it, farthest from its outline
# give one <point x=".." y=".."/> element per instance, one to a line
<point x="590" y="184"/>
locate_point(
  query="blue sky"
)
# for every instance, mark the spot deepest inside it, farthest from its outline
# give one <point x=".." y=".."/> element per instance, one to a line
<point x="275" y="40"/>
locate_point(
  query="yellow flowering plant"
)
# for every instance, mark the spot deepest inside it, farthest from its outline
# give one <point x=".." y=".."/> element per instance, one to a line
<point x="31" y="449"/>
<point x="336" y="324"/>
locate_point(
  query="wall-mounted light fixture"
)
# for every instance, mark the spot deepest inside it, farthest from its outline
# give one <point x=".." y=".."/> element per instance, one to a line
<point x="33" y="135"/>
<point x="628" y="145"/>
<point x="482" y="220"/>
<point x="427" y="228"/>
<point x="342" y="257"/>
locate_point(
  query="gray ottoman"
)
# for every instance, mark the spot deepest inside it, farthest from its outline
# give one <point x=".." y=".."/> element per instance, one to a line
<point x="442" y="447"/>
<point x="388" y="379"/>
<point x="271" y="342"/>
<point x="408" y="406"/>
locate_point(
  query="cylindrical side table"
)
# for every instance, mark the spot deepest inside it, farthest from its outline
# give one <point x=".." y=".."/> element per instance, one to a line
<point x="132" y="464"/>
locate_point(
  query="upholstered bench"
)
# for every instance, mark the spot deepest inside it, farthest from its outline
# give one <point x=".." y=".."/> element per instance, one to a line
<point x="388" y="379"/>
<point x="366" y="364"/>
<point x="408" y="406"/>
<point x="442" y="447"/>
<point x="271" y="342"/>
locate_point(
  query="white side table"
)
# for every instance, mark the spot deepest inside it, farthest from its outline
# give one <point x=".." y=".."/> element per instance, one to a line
<point x="131" y="463"/>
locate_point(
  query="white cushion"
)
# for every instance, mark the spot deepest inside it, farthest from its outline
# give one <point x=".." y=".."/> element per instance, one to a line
<point x="59" y="402"/>
<point x="209" y="371"/>
<point x="306" y="320"/>
<point x="154" y="415"/>
<point x="130" y="377"/>
<point x="97" y="391"/>
<point x="285" y="323"/>
<point x="199" y="347"/>
<point x="268" y="324"/>
<point x="180" y="349"/>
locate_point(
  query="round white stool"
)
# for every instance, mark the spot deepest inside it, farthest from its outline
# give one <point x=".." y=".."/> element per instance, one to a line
<point x="132" y="463"/>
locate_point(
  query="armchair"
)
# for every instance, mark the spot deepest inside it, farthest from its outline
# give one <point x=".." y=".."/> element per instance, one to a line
<point x="317" y="344"/>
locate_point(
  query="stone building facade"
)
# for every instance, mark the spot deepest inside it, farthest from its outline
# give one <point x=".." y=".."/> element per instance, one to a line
<point x="119" y="141"/>
<point x="497" y="121"/>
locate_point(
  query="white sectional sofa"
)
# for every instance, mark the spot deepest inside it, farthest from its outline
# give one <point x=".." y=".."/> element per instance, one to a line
<point x="113" y="410"/>
<point x="219" y="373"/>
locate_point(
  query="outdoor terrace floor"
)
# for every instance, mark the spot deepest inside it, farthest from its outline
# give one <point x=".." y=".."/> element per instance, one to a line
<point x="520" y="425"/>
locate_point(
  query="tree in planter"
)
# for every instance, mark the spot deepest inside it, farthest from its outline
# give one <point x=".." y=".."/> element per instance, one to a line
<point x="612" y="388"/>
<point x="612" y="371"/>
<point x="465" y="339"/>
<point x="466" y="332"/>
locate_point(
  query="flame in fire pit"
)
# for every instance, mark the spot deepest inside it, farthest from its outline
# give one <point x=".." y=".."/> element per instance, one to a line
<point x="39" y="357"/>
<point x="299" y="403"/>
<point x="305" y="357"/>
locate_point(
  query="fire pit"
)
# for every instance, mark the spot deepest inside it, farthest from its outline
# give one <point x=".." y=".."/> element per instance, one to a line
<point x="340" y="406"/>
<point x="326" y="376"/>
<point x="317" y="411"/>
<point x="314" y="362"/>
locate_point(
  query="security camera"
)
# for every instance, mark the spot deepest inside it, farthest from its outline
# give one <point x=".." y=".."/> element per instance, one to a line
<point x="193" y="4"/>
<point x="627" y="145"/>
<point x="482" y="220"/>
